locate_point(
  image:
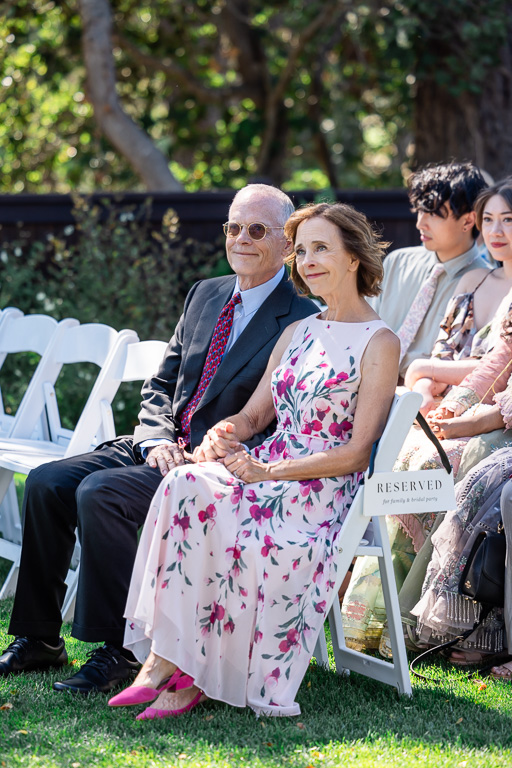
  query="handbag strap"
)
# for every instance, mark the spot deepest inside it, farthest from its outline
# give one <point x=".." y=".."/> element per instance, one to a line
<point x="425" y="427"/>
<point x="431" y="651"/>
<point x="433" y="439"/>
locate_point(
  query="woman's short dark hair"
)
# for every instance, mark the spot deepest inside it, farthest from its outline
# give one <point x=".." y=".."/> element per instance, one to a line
<point x="359" y="239"/>
<point x="502" y="188"/>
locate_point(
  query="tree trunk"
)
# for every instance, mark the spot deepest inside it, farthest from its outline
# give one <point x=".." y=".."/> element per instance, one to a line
<point x="471" y="126"/>
<point x="147" y="161"/>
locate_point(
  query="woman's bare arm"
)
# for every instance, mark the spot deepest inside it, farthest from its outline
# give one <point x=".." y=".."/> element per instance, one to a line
<point x="379" y="374"/>
<point x="468" y="425"/>
<point x="444" y="371"/>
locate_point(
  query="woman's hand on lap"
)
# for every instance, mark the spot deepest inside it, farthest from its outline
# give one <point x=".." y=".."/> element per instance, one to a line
<point x="244" y="467"/>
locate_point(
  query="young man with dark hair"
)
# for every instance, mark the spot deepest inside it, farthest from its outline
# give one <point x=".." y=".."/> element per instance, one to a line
<point x="419" y="281"/>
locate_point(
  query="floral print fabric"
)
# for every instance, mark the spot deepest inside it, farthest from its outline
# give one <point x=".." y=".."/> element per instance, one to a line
<point x="231" y="581"/>
<point x="458" y="336"/>
<point x="442" y="612"/>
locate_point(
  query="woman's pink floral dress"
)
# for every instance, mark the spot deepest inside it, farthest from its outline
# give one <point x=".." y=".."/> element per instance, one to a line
<point x="232" y="581"/>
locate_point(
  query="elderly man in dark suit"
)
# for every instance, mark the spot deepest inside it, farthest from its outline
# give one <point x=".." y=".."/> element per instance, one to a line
<point x="213" y="363"/>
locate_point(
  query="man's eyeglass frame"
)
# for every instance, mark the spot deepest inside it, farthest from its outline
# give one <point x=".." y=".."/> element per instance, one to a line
<point x="228" y="224"/>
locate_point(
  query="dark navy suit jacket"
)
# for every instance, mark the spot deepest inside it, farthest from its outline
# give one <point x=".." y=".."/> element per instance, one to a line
<point x="166" y="394"/>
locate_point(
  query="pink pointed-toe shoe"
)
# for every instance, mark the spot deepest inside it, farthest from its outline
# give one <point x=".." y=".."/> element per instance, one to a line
<point x="140" y="694"/>
<point x="150" y="713"/>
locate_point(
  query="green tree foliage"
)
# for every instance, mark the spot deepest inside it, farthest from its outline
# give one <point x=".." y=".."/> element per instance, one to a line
<point x="310" y="94"/>
<point x="111" y="267"/>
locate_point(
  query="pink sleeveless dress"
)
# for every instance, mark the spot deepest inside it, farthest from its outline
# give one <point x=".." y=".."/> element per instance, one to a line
<point x="232" y="580"/>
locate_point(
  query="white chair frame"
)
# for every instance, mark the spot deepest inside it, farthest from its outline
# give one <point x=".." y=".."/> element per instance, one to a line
<point x="91" y="342"/>
<point x="26" y="333"/>
<point x="138" y="362"/>
<point x="396" y="673"/>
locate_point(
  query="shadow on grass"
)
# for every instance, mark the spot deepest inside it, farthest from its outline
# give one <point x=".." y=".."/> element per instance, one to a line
<point x="57" y="728"/>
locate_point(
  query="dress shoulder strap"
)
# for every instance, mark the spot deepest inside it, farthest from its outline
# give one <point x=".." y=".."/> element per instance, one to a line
<point x="484" y="278"/>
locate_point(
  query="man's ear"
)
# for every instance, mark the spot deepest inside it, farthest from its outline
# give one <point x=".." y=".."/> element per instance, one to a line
<point x="469" y="221"/>
<point x="288" y="248"/>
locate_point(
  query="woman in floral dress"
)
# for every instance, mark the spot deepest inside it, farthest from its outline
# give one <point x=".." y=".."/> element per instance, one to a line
<point x="237" y="561"/>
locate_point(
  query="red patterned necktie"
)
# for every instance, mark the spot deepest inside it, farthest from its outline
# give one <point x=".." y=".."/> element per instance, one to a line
<point x="215" y="354"/>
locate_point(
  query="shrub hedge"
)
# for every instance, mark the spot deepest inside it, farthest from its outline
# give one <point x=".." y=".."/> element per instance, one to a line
<point x="111" y="267"/>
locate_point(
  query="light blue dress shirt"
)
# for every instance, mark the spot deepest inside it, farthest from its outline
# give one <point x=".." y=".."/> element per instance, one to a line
<point x="252" y="299"/>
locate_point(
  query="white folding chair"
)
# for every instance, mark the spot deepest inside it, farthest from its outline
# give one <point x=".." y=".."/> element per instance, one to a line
<point x="24" y="333"/>
<point x="8" y="506"/>
<point x="396" y="673"/>
<point x="29" y="333"/>
<point x="5" y="314"/>
<point x="91" y="343"/>
<point x="138" y="362"/>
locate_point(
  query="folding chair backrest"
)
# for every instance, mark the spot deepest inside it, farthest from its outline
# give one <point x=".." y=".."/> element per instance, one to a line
<point x="73" y="343"/>
<point x="5" y="314"/>
<point x="137" y="363"/>
<point x="109" y="351"/>
<point x="88" y="343"/>
<point x="26" y="333"/>
<point x="142" y="360"/>
<point x="401" y="415"/>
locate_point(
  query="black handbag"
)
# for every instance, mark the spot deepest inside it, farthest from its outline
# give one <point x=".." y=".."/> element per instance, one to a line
<point x="483" y="578"/>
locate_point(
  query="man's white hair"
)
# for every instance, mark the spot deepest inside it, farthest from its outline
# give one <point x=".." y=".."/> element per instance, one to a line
<point x="284" y="205"/>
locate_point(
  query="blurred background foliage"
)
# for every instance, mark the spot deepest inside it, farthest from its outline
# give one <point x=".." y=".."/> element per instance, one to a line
<point x="215" y="85"/>
<point x="111" y="267"/>
<point x="307" y="95"/>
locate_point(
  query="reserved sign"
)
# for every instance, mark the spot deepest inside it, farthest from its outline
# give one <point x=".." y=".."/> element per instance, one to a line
<point x="400" y="493"/>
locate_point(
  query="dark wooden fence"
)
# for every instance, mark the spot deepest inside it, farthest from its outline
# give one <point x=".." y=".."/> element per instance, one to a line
<point x="201" y="214"/>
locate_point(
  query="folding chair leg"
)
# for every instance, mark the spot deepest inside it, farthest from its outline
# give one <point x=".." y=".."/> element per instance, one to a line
<point x="320" y="652"/>
<point x="389" y="591"/>
<point x="6" y="477"/>
<point x="10" y="523"/>
<point x="68" y="609"/>
<point x="339" y="648"/>
<point x="11" y="552"/>
<point x="9" y="585"/>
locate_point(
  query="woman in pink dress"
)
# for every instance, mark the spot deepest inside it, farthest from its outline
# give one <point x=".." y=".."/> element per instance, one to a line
<point x="237" y="561"/>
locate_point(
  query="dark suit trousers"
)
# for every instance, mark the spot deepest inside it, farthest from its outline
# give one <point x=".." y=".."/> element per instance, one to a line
<point x="105" y="496"/>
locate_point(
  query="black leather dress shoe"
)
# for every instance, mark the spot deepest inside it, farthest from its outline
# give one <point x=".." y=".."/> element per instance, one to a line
<point x="26" y="654"/>
<point x="105" y="670"/>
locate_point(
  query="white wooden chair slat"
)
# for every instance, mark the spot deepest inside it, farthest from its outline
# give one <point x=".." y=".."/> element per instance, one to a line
<point x="396" y="673"/>
<point x="24" y="333"/>
<point x="5" y="314"/>
<point x="138" y="362"/>
<point x="86" y="343"/>
<point x="89" y="343"/>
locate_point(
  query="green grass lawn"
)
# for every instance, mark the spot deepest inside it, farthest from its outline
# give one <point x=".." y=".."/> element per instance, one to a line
<point x="350" y="721"/>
